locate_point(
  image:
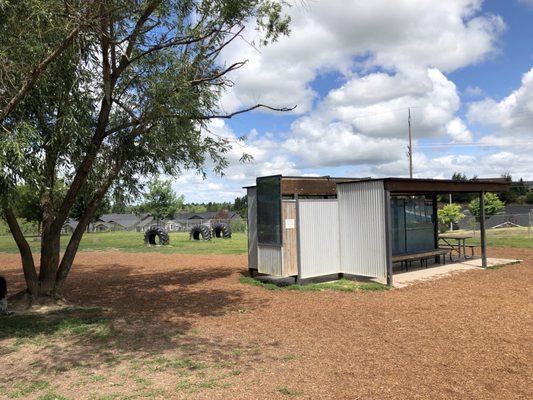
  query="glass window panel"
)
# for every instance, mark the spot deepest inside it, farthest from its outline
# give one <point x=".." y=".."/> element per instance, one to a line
<point x="412" y="224"/>
<point x="269" y="210"/>
<point x="398" y="225"/>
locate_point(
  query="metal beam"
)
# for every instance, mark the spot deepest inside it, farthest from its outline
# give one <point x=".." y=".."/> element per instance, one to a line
<point x="435" y="224"/>
<point x="388" y="234"/>
<point x="482" y="229"/>
<point x="298" y="241"/>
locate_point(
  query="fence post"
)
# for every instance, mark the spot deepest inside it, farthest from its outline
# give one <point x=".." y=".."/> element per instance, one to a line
<point x="530" y="223"/>
<point x="482" y="229"/>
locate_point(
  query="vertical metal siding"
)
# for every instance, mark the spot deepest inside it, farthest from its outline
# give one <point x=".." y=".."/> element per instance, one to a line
<point x="270" y="260"/>
<point x="252" y="228"/>
<point x="318" y="230"/>
<point x="362" y="230"/>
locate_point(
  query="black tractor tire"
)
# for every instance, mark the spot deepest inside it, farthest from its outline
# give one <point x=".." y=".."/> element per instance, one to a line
<point x="200" y="232"/>
<point x="222" y="230"/>
<point x="156" y="232"/>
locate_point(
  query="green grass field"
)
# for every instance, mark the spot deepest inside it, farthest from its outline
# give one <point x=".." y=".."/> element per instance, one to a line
<point x="180" y="243"/>
<point x="134" y="242"/>
<point x="503" y="237"/>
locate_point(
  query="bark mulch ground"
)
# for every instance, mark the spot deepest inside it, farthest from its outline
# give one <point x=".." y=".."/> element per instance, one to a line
<point x="182" y="326"/>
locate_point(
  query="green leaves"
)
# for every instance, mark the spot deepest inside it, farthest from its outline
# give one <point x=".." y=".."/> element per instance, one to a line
<point x="450" y="213"/>
<point x="130" y="99"/>
<point x="492" y="205"/>
<point x="160" y="201"/>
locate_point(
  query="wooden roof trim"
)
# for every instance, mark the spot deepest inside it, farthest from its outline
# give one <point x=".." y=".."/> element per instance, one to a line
<point x="445" y="186"/>
<point x="406" y="185"/>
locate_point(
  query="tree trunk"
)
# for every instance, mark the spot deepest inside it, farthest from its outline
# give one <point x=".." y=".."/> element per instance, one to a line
<point x="50" y="245"/>
<point x="50" y="238"/>
<point x="28" y="266"/>
<point x="83" y="223"/>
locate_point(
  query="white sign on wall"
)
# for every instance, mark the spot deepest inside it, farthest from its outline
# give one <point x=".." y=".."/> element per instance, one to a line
<point x="289" y="224"/>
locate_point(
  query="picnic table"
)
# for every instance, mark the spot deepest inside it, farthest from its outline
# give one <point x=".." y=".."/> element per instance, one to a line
<point x="459" y="245"/>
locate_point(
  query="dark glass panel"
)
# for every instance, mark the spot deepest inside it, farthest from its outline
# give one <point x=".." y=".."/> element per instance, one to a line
<point x="412" y="224"/>
<point x="269" y="210"/>
<point x="398" y="225"/>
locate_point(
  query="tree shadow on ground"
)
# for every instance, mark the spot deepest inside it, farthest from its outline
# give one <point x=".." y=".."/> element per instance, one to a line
<point x="132" y="315"/>
<point x="188" y="292"/>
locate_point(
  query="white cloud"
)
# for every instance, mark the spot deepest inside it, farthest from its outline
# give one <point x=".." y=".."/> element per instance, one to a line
<point x="389" y="59"/>
<point x="332" y="35"/>
<point x="458" y="131"/>
<point x="474" y="91"/>
<point x="512" y="115"/>
<point x="376" y="105"/>
<point x="526" y="2"/>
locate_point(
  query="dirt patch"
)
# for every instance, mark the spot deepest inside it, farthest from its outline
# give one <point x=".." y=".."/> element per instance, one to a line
<point x="182" y="326"/>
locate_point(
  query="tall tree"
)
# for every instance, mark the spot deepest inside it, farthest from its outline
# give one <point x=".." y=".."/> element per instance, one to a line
<point x="160" y="201"/>
<point x="461" y="197"/>
<point x="518" y="188"/>
<point x="492" y="205"/>
<point x="241" y="206"/>
<point x="132" y="99"/>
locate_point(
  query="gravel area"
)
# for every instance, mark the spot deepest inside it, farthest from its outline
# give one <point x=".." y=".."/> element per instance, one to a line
<point x="467" y="336"/>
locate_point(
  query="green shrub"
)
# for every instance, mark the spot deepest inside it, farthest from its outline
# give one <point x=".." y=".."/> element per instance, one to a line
<point x="529" y="197"/>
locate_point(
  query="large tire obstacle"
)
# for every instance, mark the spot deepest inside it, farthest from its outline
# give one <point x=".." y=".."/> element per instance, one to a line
<point x="222" y="230"/>
<point x="154" y="233"/>
<point x="200" y="232"/>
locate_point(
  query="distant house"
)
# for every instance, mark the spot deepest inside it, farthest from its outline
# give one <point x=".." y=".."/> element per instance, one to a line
<point x="146" y="221"/>
<point x="69" y="226"/>
<point x="181" y="222"/>
<point x="100" y="226"/>
<point x="185" y="221"/>
<point x="126" y="222"/>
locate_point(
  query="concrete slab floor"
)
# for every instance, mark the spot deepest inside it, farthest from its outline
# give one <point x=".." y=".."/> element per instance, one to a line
<point x="436" y="271"/>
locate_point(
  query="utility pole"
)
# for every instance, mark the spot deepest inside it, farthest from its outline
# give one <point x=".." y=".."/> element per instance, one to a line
<point x="410" y="147"/>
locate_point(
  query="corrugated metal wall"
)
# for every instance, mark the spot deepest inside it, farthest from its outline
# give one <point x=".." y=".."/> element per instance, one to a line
<point x="363" y="249"/>
<point x="270" y="260"/>
<point x="252" y="228"/>
<point x="318" y="228"/>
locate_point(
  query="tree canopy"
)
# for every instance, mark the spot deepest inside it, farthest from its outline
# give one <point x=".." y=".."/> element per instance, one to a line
<point x="449" y="214"/>
<point x="492" y="205"/>
<point x="129" y="97"/>
<point x="160" y="201"/>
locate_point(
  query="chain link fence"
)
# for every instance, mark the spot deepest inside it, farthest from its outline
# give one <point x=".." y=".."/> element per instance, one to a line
<point x="520" y="223"/>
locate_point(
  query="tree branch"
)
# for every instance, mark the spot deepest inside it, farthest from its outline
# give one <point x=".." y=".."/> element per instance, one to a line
<point x="219" y="49"/>
<point x="245" y="110"/>
<point x="232" y="67"/>
<point x="36" y="72"/>
<point x="131" y="124"/>
<point x="172" y="43"/>
<point x="137" y="30"/>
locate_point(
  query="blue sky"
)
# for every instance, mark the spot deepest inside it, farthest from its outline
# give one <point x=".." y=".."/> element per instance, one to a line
<point x="354" y="67"/>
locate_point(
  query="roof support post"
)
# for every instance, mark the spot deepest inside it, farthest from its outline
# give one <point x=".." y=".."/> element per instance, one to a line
<point x="482" y="229"/>
<point x="388" y="240"/>
<point x="298" y="241"/>
<point x="435" y="220"/>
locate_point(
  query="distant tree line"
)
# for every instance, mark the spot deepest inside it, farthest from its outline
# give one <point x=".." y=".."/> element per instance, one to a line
<point x="159" y="200"/>
<point x="518" y="193"/>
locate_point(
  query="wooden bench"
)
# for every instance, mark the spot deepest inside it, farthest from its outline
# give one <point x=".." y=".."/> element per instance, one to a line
<point x="407" y="258"/>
